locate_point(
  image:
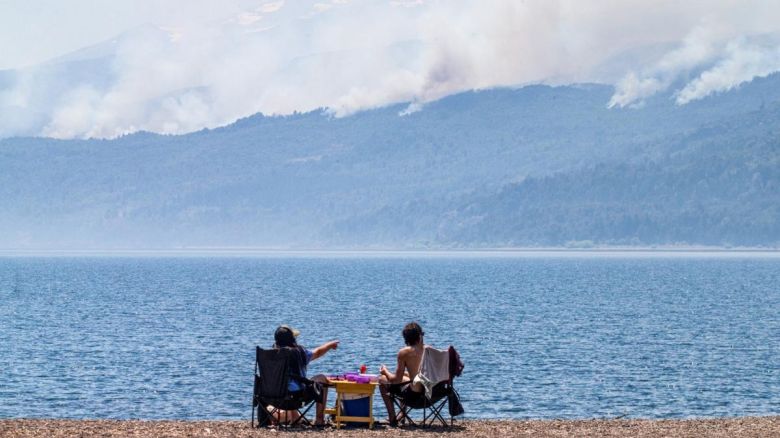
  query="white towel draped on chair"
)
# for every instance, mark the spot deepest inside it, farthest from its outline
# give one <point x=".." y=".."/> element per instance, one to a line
<point x="434" y="369"/>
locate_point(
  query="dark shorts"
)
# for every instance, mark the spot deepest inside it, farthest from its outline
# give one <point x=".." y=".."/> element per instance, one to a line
<point x="404" y="390"/>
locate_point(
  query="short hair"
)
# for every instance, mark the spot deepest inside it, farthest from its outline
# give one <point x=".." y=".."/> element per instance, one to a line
<point x="412" y="333"/>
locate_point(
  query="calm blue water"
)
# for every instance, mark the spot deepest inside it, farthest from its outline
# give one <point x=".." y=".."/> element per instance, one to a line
<point x="542" y="337"/>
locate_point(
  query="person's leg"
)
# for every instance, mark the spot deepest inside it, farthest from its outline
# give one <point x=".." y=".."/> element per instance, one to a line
<point x="273" y="414"/>
<point x="290" y="416"/>
<point x="282" y="416"/>
<point x="384" y="390"/>
<point x="320" y="418"/>
<point x="384" y="387"/>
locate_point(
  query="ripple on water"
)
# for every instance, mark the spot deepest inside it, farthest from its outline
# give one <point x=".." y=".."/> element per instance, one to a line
<point x="541" y="337"/>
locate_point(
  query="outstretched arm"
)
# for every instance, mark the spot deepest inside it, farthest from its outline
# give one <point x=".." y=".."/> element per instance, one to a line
<point x="324" y="348"/>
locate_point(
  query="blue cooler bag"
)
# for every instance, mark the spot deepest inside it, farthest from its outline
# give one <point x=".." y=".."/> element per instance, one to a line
<point x="355" y="405"/>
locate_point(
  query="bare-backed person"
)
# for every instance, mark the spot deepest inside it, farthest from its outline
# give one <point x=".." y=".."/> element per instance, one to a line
<point x="409" y="360"/>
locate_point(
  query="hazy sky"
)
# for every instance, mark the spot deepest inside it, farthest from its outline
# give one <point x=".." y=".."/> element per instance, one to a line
<point x="180" y="65"/>
<point x="32" y="31"/>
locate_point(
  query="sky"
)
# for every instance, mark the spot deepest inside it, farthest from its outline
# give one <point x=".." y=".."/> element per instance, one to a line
<point x="33" y="31"/>
<point x="176" y="66"/>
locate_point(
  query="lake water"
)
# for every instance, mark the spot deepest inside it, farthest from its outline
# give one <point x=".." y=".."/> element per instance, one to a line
<point x="542" y="335"/>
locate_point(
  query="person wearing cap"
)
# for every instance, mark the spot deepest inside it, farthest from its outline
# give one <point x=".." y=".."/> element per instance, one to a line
<point x="286" y="337"/>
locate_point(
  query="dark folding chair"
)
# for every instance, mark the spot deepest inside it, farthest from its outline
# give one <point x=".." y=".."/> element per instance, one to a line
<point x="443" y="394"/>
<point x="433" y="409"/>
<point x="271" y="388"/>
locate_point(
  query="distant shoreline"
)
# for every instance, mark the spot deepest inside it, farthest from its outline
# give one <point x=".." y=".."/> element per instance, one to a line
<point x="737" y="427"/>
<point x="672" y="251"/>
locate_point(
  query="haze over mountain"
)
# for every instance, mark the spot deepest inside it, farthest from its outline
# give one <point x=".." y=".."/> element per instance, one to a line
<point x="535" y="165"/>
<point x="397" y="123"/>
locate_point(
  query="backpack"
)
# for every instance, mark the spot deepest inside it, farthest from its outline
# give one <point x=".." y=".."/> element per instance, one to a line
<point x="456" y="369"/>
<point x="456" y="365"/>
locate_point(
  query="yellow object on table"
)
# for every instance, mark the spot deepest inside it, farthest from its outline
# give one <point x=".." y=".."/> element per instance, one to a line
<point x="346" y="387"/>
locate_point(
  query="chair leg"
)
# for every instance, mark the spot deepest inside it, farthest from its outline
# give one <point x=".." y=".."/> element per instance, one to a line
<point x="437" y="413"/>
<point x="262" y="418"/>
<point x="302" y="416"/>
<point x="400" y="408"/>
<point x="266" y="418"/>
<point x="403" y="412"/>
<point x="407" y="418"/>
<point x="433" y="413"/>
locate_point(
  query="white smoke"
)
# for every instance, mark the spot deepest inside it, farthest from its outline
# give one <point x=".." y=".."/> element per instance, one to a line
<point x="741" y="62"/>
<point x="732" y="43"/>
<point x="723" y="65"/>
<point x="696" y="49"/>
<point x="280" y="57"/>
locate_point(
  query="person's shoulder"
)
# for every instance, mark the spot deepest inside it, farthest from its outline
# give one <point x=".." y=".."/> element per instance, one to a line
<point x="404" y="351"/>
<point x="307" y="353"/>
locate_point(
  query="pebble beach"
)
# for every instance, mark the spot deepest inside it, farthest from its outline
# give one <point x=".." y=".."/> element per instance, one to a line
<point x="723" y="427"/>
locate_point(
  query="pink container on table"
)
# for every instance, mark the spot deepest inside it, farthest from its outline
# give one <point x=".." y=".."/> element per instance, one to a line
<point x="356" y="377"/>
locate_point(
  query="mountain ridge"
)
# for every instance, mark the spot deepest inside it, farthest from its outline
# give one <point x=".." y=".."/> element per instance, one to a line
<point x="314" y="180"/>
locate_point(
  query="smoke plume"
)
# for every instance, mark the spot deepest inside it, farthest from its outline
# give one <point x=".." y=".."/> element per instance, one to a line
<point x="345" y="56"/>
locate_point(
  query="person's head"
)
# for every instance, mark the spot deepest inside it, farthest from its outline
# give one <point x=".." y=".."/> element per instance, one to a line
<point x="284" y="336"/>
<point x="412" y="333"/>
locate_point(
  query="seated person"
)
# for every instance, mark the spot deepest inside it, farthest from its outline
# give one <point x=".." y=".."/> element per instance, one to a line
<point x="285" y="336"/>
<point x="409" y="360"/>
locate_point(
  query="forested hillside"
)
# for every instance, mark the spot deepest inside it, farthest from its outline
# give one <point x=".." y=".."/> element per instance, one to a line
<point x="530" y="166"/>
<point x="719" y="185"/>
